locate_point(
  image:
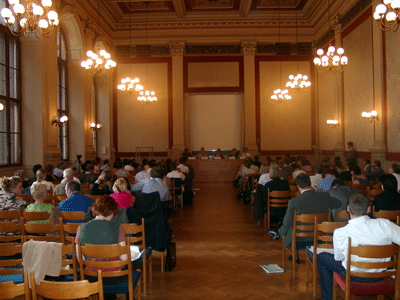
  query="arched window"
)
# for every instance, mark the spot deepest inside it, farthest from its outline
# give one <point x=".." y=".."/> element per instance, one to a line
<point x="10" y="98"/>
<point x="62" y="93"/>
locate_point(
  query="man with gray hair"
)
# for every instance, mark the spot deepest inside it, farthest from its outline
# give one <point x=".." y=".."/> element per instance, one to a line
<point x="75" y="201"/>
<point x="68" y="176"/>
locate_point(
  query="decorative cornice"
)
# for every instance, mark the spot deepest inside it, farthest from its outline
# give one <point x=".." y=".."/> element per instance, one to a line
<point x="177" y="49"/>
<point x="249" y="48"/>
<point x="213" y="49"/>
<point x="139" y="51"/>
<point x="285" y="48"/>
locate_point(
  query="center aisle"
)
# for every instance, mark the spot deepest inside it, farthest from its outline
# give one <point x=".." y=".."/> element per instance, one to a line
<point x="219" y="250"/>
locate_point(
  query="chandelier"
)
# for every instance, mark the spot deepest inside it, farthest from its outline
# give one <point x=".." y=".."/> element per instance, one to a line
<point x="33" y="19"/>
<point x="333" y="60"/>
<point x="387" y="14"/>
<point x="98" y="62"/>
<point x="299" y="81"/>
<point x="147" y="95"/>
<point x="279" y="94"/>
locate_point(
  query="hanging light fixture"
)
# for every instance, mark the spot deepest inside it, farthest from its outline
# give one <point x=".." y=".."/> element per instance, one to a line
<point x="147" y="95"/>
<point x="31" y="18"/>
<point x="99" y="61"/>
<point x="298" y="82"/>
<point x="333" y="60"/>
<point x="388" y="15"/>
<point x="128" y="84"/>
<point x="280" y="95"/>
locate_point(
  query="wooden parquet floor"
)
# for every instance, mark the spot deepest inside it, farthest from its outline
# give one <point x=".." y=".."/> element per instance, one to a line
<point x="219" y="250"/>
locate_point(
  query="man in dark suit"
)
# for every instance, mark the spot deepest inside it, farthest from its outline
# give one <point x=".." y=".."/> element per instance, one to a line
<point x="351" y="157"/>
<point x="309" y="202"/>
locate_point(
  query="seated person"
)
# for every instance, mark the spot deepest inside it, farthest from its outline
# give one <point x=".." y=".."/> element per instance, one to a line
<point x="357" y="177"/>
<point x="264" y="171"/>
<point x="181" y="167"/>
<point x="219" y="154"/>
<point x="234" y="153"/>
<point x="58" y="172"/>
<point x="38" y="192"/>
<point x="374" y="172"/>
<point x="246" y="168"/>
<point x="68" y="173"/>
<point x="11" y="186"/>
<point x="41" y="175"/>
<point x="49" y="173"/>
<point x="142" y="174"/>
<point x="342" y="192"/>
<point x="315" y="179"/>
<point x="390" y="198"/>
<point x="175" y="173"/>
<point x="88" y="175"/>
<point x="75" y="201"/>
<point x="297" y="170"/>
<point x="121" y="194"/>
<point x="202" y="153"/>
<point x="106" y="189"/>
<point x="245" y="153"/>
<point x="306" y="166"/>
<point x="395" y="171"/>
<point x="326" y="183"/>
<point x="154" y="184"/>
<point x="34" y="169"/>
<point x="363" y="231"/>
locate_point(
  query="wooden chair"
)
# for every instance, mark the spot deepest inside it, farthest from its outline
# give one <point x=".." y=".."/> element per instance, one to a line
<point x="11" y="290"/>
<point x="176" y="192"/>
<point x="323" y="238"/>
<point x="10" y="263"/>
<point x="110" y="251"/>
<point x="344" y="215"/>
<point x="50" y="199"/>
<point x="61" y="198"/>
<point x="391" y="266"/>
<point x="27" y="198"/>
<point x="371" y="193"/>
<point x="10" y="215"/>
<point x="361" y="188"/>
<point x="67" y="290"/>
<point x="40" y="231"/>
<point x="72" y="216"/>
<point x="136" y="236"/>
<point x="303" y="227"/>
<point x="386" y="214"/>
<point x="276" y="200"/>
<point x="86" y="186"/>
<point x="36" y="216"/>
<point x="294" y="190"/>
<point x="11" y="231"/>
<point x="348" y="183"/>
<point x="69" y="223"/>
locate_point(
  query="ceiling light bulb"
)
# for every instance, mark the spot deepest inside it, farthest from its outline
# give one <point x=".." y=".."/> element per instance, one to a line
<point x="37" y="10"/>
<point x="46" y="3"/>
<point x="43" y="24"/>
<point x="391" y="16"/>
<point x="6" y="13"/>
<point x="19" y="9"/>
<point x="52" y="15"/>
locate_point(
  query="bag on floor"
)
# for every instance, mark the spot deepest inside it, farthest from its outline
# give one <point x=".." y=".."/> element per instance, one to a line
<point x="171" y="257"/>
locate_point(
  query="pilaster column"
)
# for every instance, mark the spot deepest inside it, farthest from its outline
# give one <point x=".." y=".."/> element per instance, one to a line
<point x="378" y="148"/>
<point x="249" y="139"/>
<point x="177" y="51"/>
<point x="39" y="105"/>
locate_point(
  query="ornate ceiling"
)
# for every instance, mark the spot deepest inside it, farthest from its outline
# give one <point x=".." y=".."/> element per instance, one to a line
<point x="215" y="21"/>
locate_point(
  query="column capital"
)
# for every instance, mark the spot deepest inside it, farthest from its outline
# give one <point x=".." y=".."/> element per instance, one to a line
<point x="90" y="32"/>
<point x="177" y="49"/>
<point x="336" y="25"/>
<point x="249" y="48"/>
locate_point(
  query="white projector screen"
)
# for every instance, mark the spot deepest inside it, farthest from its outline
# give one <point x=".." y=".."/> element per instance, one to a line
<point x="215" y="121"/>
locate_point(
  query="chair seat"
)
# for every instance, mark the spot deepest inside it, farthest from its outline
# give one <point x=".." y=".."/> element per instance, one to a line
<point x="140" y="259"/>
<point x="16" y="278"/>
<point x="384" y="287"/>
<point x="304" y="244"/>
<point x="123" y="286"/>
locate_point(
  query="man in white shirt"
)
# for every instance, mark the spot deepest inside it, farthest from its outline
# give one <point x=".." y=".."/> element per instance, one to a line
<point x="363" y="231"/>
<point x="175" y="173"/>
<point x="245" y="153"/>
<point x="142" y="174"/>
<point x="395" y="170"/>
<point x="315" y="179"/>
<point x="181" y="167"/>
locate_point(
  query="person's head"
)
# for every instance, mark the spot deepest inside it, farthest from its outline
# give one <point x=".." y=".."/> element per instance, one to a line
<point x="319" y="168"/>
<point x="19" y="173"/>
<point x="234" y="151"/>
<point x="274" y="172"/>
<point x="337" y="158"/>
<point x="107" y="175"/>
<point x="287" y="160"/>
<point x="350" y="145"/>
<point x="389" y="183"/>
<point x="337" y="182"/>
<point x="68" y="174"/>
<point x="38" y="191"/>
<point x="328" y="172"/>
<point x="338" y="164"/>
<point x="303" y="181"/>
<point x="36" y="167"/>
<point x="105" y="206"/>
<point x="72" y="187"/>
<point x="90" y="168"/>
<point x="394" y="169"/>
<point x="173" y="166"/>
<point x="367" y="161"/>
<point x="60" y="165"/>
<point x="256" y="158"/>
<point x="49" y="169"/>
<point x="106" y="161"/>
<point x="295" y="167"/>
<point x="11" y="184"/>
<point x="40" y="174"/>
<point x="218" y="151"/>
<point x="358" y="205"/>
<point x="377" y="163"/>
<point x="245" y="150"/>
<point x="120" y="185"/>
<point x="355" y="170"/>
<point x="118" y="165"/>
<point x="186" y="150"/>
<point x="264" y="168"/>
<point x="247" y="162"/>
<point x="158" y="172"/>
<point x="97" y="160"/>
<point x="202" y="149"/>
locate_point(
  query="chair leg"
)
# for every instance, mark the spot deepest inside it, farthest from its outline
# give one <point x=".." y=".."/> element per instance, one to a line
<point x="334" y="291"/>
<point x="315" y="270"/>
<point x="151" y="268"/>
<point x="139" y="293"/>
<point x="294" y="261"/>
<point x="306" y="270"/>
<point x="162" y="262"/>
<point x="265" y="221"/>
<point x="144" y="267"/>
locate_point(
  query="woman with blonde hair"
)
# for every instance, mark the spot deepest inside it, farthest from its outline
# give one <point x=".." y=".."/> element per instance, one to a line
<point x="11" y="186"/>
<point x="121" y="194"/>
<point x="41" y="175"/>
<point x="38" y="192"/>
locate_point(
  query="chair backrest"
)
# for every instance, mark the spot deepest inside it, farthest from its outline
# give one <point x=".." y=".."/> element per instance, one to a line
<point x="67" y="290"/>
<point x="146" y="202"/>
<point x="361" y="188"/>
<point x="10" y="290"/>
<point x="61" y="198"/>
<point x="390" y="253"/>
<point x="371" y="193"/>
<point x="11" y="231"/>
<point x="343" y="214"/>
<point x="135" y="234"/>
<point x="105" y="258"/>
<point x="27" y="198"/>
<point x="68" y="231"/>
<point x="294" y="190"/>
<point x="278" y="198"/>
<point x="323" y="234"/>
<point x="9" y="214"/>
<point x="94" y="197"/>
<point x="36" y="216"/>
<point x="386" y="214"/>
<point x="10" y="262"/>
<point x="303" y="225"/>
<point x="50" y="199"/>
<point x="41" y="231"/>
<point x="73" y="215"/>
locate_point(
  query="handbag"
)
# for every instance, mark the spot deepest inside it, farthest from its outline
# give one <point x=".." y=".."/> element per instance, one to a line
<point x="171" y="257"/>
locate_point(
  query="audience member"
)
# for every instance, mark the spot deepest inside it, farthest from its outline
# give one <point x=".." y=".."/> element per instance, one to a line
<point x="49" y="173"/>
<point x="395" y="171"/>
<point x="357" y="177"/>
<point x="34" y="169"/>
<point x="75" y="201"/>
<point x="374" y="172"/>
<point x="306" y="166"/>
<point x="175" y="173"/>
<point x="154" y="184"/>
<point x="326" y="183"/>
<point x="351" y="157"/>
<point x="181" y="167"/>
<point x="88" y="176"/>
<point x="38" y="192"/>
<point x="245" y="153"/>
<point x="367" y="162"/>
<point x="106" y="189"/>
<point x="41" y="175"/>
<point x="390" y="198"/>
<point x="342" y="192"/>
<point x="21" y="174"/>
<point x="256" y="161"/>
<point x="296" y="170"/>
<point x="121" y="194"/>
<point x="309" y="202"/>
<point x="142" y="174"/>
<point x="287" y="168"/>
<point x="363" y="231"/>
<point x="58" y="171"/>
<point x="346" y="175"/>
<point x="128" y="166"/>
<point x="246" y="168"/>
<point x="264" y="171"/>
<point x="68" y="173"/>
<point x="11" y="186"/>
<point x="315" y="179"/>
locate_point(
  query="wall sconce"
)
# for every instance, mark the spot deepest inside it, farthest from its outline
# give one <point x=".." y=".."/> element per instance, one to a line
<point x="95" y="126"/>
<point x="332" y="123"/>
<point x="369" y="116"/>
<point x="58" y="122"/>
<point x="1" y="106"/>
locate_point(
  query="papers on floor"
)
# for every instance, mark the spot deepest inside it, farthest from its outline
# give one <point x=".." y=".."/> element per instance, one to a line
<point x="135" y="253"/>
<point x="272" y="268"/>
